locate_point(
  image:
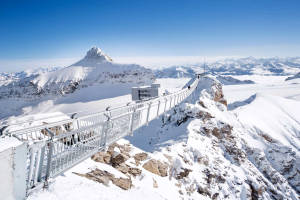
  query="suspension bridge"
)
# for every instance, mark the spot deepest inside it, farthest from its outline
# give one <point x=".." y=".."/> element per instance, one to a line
<point x="56" y="147"/>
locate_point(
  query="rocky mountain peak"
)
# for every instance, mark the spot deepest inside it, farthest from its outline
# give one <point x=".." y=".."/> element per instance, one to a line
<point x="96" y="53"/>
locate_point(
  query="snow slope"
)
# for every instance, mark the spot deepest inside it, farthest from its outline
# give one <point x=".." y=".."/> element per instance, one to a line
<point x="278" y="117"/>
<point x="269" y="85"/>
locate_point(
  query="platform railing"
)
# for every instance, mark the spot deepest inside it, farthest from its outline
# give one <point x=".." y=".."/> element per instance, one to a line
<point x="54" y="148"/>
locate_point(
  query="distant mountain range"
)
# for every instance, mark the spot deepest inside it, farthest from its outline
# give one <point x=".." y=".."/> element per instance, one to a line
<point x="241" y="66"/>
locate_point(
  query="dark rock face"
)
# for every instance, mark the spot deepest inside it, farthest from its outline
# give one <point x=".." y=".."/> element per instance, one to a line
<point x="184" y="173"/>
<point x="118" y="159"/>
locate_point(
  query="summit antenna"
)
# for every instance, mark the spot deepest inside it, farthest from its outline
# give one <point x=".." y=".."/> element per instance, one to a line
<point x="204" y="66"/>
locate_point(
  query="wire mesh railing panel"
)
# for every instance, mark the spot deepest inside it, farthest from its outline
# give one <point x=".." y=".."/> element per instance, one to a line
<point x="36" y="163"/>
<point x="143" y="118"/>
<point x="74" y="146"/>
<point x="153" y="111"/>
<point x="118" y="128"/>
<point x="135" y="121"/>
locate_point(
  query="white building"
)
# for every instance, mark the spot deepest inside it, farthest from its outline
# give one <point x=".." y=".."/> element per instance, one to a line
<point x="145" y="92"/>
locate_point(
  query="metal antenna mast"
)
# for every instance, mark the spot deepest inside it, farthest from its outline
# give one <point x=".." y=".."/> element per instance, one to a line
<point x="204" y="66"/>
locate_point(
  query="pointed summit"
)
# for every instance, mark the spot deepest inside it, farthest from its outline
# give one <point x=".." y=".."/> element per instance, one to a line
<point x="95" y="57"/>
<point x="96" y="53"/>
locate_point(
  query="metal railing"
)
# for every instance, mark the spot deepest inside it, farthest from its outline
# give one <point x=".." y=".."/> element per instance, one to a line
<point x="53" y="148"/>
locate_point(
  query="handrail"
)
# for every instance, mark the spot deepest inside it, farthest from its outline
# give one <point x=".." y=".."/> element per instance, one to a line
<point x="58" y="123"/>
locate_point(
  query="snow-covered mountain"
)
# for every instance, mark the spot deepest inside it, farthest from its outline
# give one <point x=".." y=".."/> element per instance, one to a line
<point x="76" y="88"/>
<point x="94" y="68"/>
<point x="241" y="66"/>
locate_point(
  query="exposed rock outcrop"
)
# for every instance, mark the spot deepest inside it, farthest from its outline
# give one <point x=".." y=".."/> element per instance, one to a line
<point x="156" y="167"/>
<point x="140" y="157"/>
<point x="104" y="177"/>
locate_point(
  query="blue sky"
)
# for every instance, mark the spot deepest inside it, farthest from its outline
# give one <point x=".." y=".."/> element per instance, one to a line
<point x="41" y="30"/>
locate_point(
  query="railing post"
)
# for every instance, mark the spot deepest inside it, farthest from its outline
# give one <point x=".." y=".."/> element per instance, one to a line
<point x="49" y="160"/>
<point x="148" y="112"/>
<point x="157" y="114"/>
<point x="37" y="165"/>
<point x="131" y="122"/>
<point x="165" y="104"/>
<point x="106" y="128"/>
<point x="41" y="164"/>
<point x="74" y="116"/>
